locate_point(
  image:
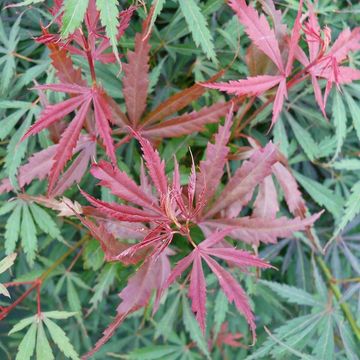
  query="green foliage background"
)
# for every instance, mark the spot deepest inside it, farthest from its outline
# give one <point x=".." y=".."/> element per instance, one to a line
<point x="300" y="303"/>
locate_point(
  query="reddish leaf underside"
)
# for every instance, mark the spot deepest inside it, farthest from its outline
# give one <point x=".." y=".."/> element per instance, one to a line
<point x="136" y="79"/>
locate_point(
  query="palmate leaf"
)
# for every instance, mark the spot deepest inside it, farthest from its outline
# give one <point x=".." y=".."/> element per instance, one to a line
<point x="85" y="96"/>
<point x="321" y="194"/>
<point x="239" y="189"/>
<point x="22" y="222"/>
<point x="233" y="291"/>
<point x="198" y="27"/>
<point x="259" y="31"/>
<point x="74" y="12"/>
<point x="40" y="164"/>
<point x="292" y="294"/>
<point x="36" y="336"/>
<point x="149" y="277"/>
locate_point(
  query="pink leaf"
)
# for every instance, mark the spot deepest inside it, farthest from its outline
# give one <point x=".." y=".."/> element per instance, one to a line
<point x="135" y="295"/>
<point x="76" y="170"/>
<point x="122" y="212"/>
<point x="318" y="95"/>
<point x="159" y="239"/>
<point x="64" y="87"/>
<point x="313" y="33"/>
<point x="281" y="93"/>
<point x="214" y="238"/>
<point x="259" y="31"/>
<point x="290" y="188"/>
<point x="254" y="230"/>
<point x="197" y="291"/>
<point x="38" y="167"/>
<point x="212" y="168"/>
<point x="67" y="143"/>
<point x="240" y="258"/>
<point x="154" y="164"/>
<point x="233" y="292"/>
<point x="294" y="40"/>
<point x="102" y="115"/>
<point x="344" y="75"/>
<point x="252" y="86"/>
<point x="53" y="113"/>
<point x="277" y="18"/>
<point x="187" y="123"/>
<point x="179" y="268"/>
<point x="140" y="286"/>
<point x="119" y="183"/>
<point x="136" y="79"/>
<point x="240" y="188"/>
<point x="266" y="203"/>
<point x="347" y="41"/>
<point x="125" y="230"/>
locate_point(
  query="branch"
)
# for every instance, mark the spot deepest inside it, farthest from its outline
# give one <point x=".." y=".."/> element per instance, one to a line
<point x="337" y="293"/>
<point x="36" y="284"/>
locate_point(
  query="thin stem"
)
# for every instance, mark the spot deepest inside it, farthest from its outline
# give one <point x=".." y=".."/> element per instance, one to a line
<point x="337" y="293"/>
<point x="36" y="284"/>
<point x="38" y="290"/>
<point x="74" y="260"/>
<point x="5" y="311"/>
<point x="344" y="281"/>
<point x="187" y="234"/>
<point x="24" y="57"/>
<point x="62" y="258"/>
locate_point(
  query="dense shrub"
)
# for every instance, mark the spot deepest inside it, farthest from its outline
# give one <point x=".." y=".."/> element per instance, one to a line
<point x="180" y="179"/>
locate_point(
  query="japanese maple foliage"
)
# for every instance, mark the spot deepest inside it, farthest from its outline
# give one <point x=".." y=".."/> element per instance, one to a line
<point x="213" y="212"/>
<point x="164" y="208"/>
<point x="94" y="110"/>
<point x="282" y="49"/>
